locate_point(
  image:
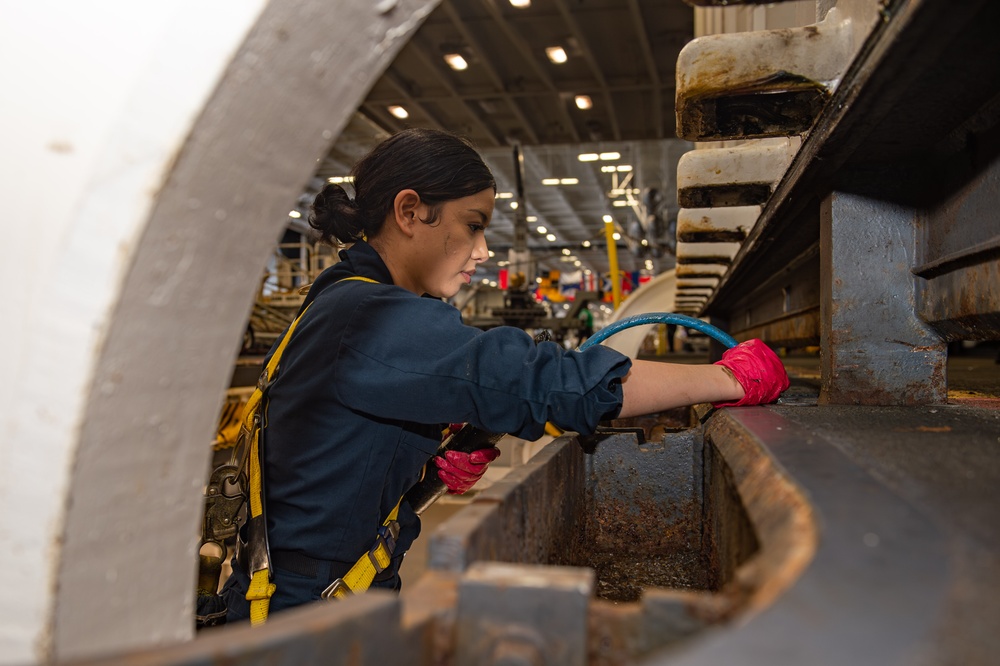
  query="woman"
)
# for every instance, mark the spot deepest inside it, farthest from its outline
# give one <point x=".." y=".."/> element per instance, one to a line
<point x="374" y="370"/>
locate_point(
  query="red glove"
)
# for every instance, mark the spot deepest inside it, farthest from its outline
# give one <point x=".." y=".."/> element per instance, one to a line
<point x="758" y="370"/>
<point x="460" y="471"/>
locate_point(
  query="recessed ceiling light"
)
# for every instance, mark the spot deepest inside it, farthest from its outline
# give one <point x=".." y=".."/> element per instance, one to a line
<point x="611" y="156"/>
<point x="551" y="238"/>
<point x="399" y="112"/>
<point x="532" y="218"/>
<point x="586" y="243"/>
<point x="556" y="54"/>
<point x="583" y="102"/>
<point x="608" y="218"/>
<point x="566" y="251"/>
<point x="513" y="204"/>
<point x="569" y="181"/>
<point x="294" y="213"/>
<point x="542" y="230"/>
<point x="505" y="195"/>
<point x="520" y="4"/>
<point x="587" y="157"/>
<point x="616" y="236"/>
<point x="624" y="167"/>
<point x="550" y="181"/>
<point x="608" y="169"/>
<point x="456" y="61"/>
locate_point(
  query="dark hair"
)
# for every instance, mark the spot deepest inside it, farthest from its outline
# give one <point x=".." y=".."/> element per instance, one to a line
<point x="437" y="165"/>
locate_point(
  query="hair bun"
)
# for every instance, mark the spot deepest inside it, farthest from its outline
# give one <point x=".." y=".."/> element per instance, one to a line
<point x="335" y="215"/>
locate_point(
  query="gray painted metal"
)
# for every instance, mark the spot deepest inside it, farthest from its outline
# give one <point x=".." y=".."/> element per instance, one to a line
<point x="875" y="350"/>
<point x="523" y="615"/>
<point x="875" y="589"/>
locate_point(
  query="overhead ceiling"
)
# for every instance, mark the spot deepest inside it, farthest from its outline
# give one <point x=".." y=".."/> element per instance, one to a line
<point x="620" y="53"/>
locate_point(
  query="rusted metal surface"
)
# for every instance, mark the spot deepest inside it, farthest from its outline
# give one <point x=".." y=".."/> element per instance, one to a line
<point x="362" y="630"/>
<point x="731" y="194"/>
<point x="780" y="104"/>
<point x="523" y="614"/>
<point x="503" y="523"/>
<point x="783" y="309"/>
<point x="875" y="349"/>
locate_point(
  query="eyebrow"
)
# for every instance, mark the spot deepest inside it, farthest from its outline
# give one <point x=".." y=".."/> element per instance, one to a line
<point x="482" y="215"/>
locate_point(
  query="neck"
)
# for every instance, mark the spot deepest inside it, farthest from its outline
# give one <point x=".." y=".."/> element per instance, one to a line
<point x="397" y="268"/>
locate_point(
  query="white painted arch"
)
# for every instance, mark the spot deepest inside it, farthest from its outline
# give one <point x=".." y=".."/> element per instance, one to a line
<point x="151" y="151"/>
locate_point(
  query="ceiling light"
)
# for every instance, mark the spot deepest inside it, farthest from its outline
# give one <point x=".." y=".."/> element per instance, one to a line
<point x="505" y="195"/>
<point x="566" y="251"/>
<point x="587" y="157"/>
<point x="513" y="204"/>
<point x="619" y="203"/>
<point x="550" y="181"/>
<point x="607" y="218"/>
<point x="491" y="253"/>
<point x="624" y="167"/>
<point x="577" y="263"/>
<point x="611" y="156"/>
<point x="583" y="102"/>
<point x="532" y="218"/>
<point x="569" y="181"/>
<point x="616" y="236"/>
<point x="542" y="230"/>
<point x="294" y="213"/>
<point x="551" y="238"/>
<point x="608" y="169"/>
<point x="399" y="112"/>
<point x="456" y="61"/>
<point x="586" y="243"/>
<point x="520" y="4"/>
<point x="556" y="54"/>
<point x="336" y="179"/>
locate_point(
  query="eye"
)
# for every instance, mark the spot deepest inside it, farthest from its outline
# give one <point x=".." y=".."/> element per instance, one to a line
<point x="476" y="228"/>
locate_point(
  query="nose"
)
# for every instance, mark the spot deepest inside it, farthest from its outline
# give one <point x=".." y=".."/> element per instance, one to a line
<point x="480" y="252"/>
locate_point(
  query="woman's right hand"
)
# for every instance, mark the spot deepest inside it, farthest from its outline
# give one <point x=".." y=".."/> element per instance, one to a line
<point x="758" y="370"/>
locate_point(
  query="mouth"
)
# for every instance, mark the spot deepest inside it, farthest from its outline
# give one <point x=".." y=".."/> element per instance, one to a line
<point x="468" y="276"/>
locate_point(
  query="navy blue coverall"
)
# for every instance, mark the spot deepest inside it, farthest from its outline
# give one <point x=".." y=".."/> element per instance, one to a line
<point x="368" y="381"/>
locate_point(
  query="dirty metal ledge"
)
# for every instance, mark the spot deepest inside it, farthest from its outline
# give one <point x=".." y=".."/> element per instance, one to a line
<point x="876" y="589"/>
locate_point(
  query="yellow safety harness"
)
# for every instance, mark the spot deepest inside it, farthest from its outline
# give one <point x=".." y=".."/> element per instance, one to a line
<point x="359" y="578"/>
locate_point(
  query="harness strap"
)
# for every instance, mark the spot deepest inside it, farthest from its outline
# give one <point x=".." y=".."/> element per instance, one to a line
<point x="261" y="589"/>
<point x="378" y="558"/>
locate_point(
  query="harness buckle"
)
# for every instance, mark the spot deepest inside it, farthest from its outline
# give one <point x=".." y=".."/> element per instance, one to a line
<point x="386" y="538"/>
<point x="336" y="586"/>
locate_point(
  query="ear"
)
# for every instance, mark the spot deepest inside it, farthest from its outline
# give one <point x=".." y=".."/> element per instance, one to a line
<point x="406" y="211"/>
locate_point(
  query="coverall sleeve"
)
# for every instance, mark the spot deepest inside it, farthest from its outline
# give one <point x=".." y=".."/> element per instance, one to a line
<point x="413" y="359"/>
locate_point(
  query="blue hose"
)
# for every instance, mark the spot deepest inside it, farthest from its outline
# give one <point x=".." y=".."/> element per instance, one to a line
<point x="660" y="318"/>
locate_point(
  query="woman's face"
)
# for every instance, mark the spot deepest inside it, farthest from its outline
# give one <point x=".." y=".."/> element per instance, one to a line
<point x="449" y="250"/>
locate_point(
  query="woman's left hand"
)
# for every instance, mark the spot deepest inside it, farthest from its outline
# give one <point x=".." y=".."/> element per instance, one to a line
<point x="460" y="471"/>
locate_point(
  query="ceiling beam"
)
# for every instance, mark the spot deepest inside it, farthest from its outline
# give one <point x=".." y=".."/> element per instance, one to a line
<point x="430" y="64"/>
<point x="647" y="55"/>
<point x="522" y="46"/>
<point x="501" y="89"/>
<point x="405" y="89"/>
<point x="588" y="55"/>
